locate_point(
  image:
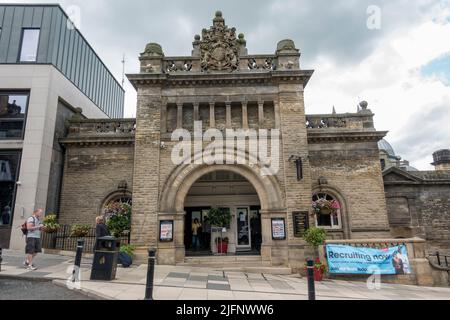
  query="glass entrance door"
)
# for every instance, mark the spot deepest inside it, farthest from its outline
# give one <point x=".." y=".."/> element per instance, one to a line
<point x="243" y="232"/>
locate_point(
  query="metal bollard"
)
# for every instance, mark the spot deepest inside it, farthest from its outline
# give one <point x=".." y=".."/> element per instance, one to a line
<point x="77" y="265"/>
<point x="311" y="286"/>
<point x="1" y="258"/>
<point x="150" y="274"/>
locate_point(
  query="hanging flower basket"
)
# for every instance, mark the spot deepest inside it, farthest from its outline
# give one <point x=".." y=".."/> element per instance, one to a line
<point x="323" y="206"/>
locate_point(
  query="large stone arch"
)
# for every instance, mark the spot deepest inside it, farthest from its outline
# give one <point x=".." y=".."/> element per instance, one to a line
<point x="182" y="178"/>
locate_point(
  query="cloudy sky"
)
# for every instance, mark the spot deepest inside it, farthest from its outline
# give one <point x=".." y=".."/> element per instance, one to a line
<point x="401" y="68"/>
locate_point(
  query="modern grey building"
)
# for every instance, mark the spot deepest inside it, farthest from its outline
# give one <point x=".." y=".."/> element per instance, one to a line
<point x="47" y="71"/>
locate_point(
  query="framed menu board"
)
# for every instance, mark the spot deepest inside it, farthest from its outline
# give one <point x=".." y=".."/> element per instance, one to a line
<point x="278" y="229"/>
<point x="166" y="231"/>
<point x="301" y="223"/>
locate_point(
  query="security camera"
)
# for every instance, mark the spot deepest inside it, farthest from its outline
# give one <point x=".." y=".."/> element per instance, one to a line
<point x="19" y="183"/>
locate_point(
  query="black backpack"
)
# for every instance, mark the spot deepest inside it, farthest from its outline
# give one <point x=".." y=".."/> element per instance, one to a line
<point x="24" y="227"/>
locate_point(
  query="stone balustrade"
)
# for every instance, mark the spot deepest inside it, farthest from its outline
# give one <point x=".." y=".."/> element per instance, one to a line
<point x="89" y="127"/>
<point x="350" y="121"/>
<point x="173" y="65"/>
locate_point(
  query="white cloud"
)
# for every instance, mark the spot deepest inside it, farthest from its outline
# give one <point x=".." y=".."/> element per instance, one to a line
<point x="390" y="80"/>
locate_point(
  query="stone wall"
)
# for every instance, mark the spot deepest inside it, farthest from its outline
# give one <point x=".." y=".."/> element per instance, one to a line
<point x="352" y="173"/>
<point x="419" y="205"/>
<point x="91" y="174"/>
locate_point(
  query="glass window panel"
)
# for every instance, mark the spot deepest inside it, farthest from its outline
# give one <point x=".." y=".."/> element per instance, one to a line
<point x="13" y="108"/>
<point x="30" y="43"/>
<point x="9" y="167"/>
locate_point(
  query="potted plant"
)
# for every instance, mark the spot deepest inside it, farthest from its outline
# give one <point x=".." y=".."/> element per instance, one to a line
<point x="222" y="244"/>
<point x="50" y="223"/>
<point x="118" y="217"/>
<point x="319" y="270"/>
<point x="126" y="255"/>
<point x="79" y="230"/>
<point x="220" y="218"/>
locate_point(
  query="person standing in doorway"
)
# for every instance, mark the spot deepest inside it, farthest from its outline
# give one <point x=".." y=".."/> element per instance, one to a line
<point x="206" y="233"/>
<point x="33" y="246"/>
<point x="196" y="226"/>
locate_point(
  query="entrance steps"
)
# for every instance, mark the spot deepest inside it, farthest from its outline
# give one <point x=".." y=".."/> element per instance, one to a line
<point x="245" y="264"/>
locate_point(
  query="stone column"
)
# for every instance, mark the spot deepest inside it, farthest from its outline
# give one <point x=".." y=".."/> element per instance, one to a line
<point x="164" y="118"/>
<point x="244" y="116"/>
<point x="196" y="111"/>
<point x="212" y="116"/>
<point x="228" y="110"/>
<point x="276" y="109"/>
<point x="261" y="113"/>
<point x="180" y="116"/>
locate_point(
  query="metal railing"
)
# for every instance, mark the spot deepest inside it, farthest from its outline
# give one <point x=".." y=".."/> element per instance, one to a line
<point x="442" y="260"/>
<point x="62" y="240"/>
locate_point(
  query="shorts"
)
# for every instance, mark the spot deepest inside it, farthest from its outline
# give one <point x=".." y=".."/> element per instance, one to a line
<point x="33" y="246"/>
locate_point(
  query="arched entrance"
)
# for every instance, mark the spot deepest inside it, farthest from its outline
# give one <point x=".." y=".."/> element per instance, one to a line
<point x="231" y="193"/>
<point x="176" y="191"/>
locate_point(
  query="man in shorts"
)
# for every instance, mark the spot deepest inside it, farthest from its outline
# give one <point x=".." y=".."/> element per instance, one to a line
<point x="33" y="247"/>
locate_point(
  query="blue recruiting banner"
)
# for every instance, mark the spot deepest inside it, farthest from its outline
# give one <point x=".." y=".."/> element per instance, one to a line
<point x="344" y="259"/>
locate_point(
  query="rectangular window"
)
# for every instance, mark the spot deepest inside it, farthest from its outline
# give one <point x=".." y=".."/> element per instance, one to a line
<point x="30" y="43"/>
<point x="13" y="110"/>
<point x="9" y="171"/>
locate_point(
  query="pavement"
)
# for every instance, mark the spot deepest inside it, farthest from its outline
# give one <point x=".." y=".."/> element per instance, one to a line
<point x="195" y="283"/>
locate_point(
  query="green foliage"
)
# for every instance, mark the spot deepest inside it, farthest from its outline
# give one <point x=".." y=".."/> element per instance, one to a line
<point x="128" y="249"/>
<point x="219" y="217"/>
<point x="79" y="230"/>
<point x="315" y="236"/>
<point x="118" y="217"/>
<point x="50" y="223"/>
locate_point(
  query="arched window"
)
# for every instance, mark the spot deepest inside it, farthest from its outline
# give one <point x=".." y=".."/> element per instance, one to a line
<point x="327" y="211"/>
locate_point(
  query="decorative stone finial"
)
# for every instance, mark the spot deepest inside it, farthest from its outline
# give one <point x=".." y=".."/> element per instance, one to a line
<point x="78" y="115"/>
<point x="363" y="105"/>
<point x="286" y="45"/>
<point x="153" y="50"/>
<point x="197" y="37"/>
<point x="219" y="20"/>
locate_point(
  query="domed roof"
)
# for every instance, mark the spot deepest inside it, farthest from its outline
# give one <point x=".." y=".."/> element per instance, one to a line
<point x="385" y="146"/>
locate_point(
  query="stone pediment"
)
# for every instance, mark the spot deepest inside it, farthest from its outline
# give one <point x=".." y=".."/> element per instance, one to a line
<point x="398" y="175"/>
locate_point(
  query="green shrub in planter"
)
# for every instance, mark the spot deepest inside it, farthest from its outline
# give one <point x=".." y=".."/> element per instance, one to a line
<point x="128" y="249"/>
<point x="315" y="236"/>
<point x="50" y="223"/>
<point x="80" y="230"/>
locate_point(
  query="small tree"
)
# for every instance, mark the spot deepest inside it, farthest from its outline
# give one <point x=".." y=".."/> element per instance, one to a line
<point x="220" y="218"/>
<point x="315" y="236"/>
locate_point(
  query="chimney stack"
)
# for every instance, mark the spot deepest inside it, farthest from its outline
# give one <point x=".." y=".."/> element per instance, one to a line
<point x="441" y="160"/>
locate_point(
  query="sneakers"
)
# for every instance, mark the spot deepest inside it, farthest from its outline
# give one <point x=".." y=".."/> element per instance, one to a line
<point x="28" y="267"/>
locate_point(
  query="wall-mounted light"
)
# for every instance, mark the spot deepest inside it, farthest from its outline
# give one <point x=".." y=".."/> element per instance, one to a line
<point x="299" y="166"/>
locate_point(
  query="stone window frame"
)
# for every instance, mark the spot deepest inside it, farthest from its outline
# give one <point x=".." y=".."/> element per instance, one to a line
<point x="345" y="220"/>
<point x="113" y="196"/>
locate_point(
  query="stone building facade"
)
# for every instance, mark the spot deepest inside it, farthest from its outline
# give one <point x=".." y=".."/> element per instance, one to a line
<point x="222" y="87"/>
<point x="418" y="203"/>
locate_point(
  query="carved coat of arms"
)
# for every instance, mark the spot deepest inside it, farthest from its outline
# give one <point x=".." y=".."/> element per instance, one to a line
<point x="219" y="47"/>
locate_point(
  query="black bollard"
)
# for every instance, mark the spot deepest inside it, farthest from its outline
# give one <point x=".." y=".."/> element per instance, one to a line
<point x="311" y="286"/>
<point x="150" y="274"/>
<point x="1" y="258"/>
<point x="77" y="266"/>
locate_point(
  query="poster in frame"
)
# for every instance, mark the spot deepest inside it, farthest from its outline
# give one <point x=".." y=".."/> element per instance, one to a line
<point x="278" y="229"/>
<point x="166" y="230"/>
